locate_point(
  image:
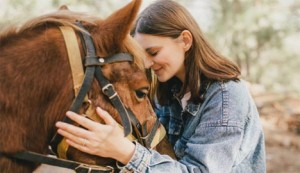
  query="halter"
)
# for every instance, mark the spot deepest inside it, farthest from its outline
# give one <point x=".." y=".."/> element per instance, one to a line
<point x="82" y="83"/>
<point x="93" y="68"/>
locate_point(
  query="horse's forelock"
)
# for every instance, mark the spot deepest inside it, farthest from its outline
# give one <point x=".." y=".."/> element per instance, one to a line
<point x="136" y="50"/>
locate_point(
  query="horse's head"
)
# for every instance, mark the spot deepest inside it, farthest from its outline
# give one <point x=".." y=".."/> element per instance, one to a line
<point x="111" y="37"/>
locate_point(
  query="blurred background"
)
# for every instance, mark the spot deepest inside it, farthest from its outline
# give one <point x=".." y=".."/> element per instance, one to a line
<point x="261" y="36"/>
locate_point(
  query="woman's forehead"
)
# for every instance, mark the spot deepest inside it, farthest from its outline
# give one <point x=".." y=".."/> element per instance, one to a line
<point x="150" y="41"/>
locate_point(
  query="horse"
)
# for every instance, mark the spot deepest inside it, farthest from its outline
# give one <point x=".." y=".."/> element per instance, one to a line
<point x="36" y="82"/>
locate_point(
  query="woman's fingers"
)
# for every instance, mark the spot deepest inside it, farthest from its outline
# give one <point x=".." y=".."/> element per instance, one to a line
<point x="96" y="138"/>
<point x="71" y="131"/>
<point x="84" y="122"/>
<point x="106" y="116"/>
<point x="76" y="137"/>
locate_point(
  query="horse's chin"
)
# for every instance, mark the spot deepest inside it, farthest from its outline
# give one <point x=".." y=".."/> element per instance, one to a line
<point x="78" y="156"/>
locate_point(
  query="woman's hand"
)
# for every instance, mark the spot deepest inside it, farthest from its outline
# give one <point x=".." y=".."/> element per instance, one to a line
<point x="105" y="140"/>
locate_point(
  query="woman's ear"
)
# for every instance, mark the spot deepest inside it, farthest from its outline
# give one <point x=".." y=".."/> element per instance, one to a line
<point x="187" y="39"/>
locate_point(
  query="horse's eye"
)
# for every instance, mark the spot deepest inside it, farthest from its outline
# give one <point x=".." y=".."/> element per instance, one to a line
<point x="141" y="94"/>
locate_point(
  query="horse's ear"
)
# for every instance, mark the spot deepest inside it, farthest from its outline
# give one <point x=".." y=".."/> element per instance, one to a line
<point x="118" y="25"/>
<point x="63" y="7"/>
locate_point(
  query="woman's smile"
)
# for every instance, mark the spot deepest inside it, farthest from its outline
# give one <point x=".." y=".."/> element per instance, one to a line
<point x="158" y="71"/>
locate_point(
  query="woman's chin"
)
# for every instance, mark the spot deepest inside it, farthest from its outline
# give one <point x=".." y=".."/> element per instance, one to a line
<point x="162" y="78"/>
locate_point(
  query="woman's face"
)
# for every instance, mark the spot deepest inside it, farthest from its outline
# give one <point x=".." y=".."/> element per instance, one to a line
<point x="165" y="55"/>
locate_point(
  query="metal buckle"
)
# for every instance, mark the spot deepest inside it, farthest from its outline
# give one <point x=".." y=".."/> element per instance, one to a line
<point x="106" y="88"/>
<point x="91" y="168"/>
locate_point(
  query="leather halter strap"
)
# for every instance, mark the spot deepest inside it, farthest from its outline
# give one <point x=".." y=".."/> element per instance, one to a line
<point x="94" y="64"/>
<point x="74" y="57"/>
<point x="129" y="120"/>
<point x="158" y="132"/>
<point x="151" y="139"/>
<point x="76" y="166"/>
<point x="93" y="68"/>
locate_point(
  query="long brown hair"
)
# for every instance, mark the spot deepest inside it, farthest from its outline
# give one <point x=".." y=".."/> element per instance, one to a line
<point x="167" y="18"/>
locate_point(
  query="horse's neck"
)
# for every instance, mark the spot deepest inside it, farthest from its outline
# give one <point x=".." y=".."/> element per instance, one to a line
<point x="34" y="74"/>
<point x="28" y="44"/>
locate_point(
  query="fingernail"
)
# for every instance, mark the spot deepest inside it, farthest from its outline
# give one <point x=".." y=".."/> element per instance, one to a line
<point x="58" y="124"/>
<point x="99" y="109"/>
<point x="70" y="114"/>
<point x="59" y="131"/>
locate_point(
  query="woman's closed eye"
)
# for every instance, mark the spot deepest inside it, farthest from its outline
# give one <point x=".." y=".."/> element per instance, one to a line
<point x="154" y="53"/>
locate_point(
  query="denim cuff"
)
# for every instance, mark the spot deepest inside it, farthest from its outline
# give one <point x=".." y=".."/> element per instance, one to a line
<point x="139" y="161"/>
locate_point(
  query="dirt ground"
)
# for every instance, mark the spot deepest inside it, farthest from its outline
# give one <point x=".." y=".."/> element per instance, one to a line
<point x="280" y="117"/>
<point x="283" y="150"/>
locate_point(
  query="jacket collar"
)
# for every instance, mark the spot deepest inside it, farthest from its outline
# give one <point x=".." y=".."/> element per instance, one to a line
<point x="191" y="107"/>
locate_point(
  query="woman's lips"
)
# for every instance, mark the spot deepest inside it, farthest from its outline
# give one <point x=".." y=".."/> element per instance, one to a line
<point x="156" y="71"/>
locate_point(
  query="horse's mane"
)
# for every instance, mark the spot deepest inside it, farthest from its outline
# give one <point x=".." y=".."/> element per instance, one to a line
<point x="61" y="17"/>
<point x="66" y="18"/>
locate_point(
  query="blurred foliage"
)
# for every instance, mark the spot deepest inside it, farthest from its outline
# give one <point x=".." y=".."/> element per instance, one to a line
<point x="15" y="11"/>
<point x="261" y="36"/>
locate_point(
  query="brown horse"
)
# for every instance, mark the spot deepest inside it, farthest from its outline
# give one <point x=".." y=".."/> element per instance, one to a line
<point x="36" y="87"/>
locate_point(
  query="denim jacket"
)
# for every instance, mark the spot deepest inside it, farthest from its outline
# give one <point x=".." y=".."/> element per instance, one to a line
<point x="228" y="137"/>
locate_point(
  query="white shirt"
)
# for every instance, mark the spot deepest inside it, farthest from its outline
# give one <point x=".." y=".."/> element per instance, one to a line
<point x="185" y="98"/>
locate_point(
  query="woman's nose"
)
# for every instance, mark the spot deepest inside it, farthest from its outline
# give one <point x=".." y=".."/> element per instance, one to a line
<point x="148" y="63"/>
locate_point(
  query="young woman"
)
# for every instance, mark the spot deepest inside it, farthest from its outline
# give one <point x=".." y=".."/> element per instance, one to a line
<point x="210" y="117"/>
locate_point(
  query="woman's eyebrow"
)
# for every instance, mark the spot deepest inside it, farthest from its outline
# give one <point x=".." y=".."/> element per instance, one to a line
<point x="151" y="49"/>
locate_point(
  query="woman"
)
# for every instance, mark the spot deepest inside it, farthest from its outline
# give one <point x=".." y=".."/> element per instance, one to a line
<point x="211" y="119"/>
